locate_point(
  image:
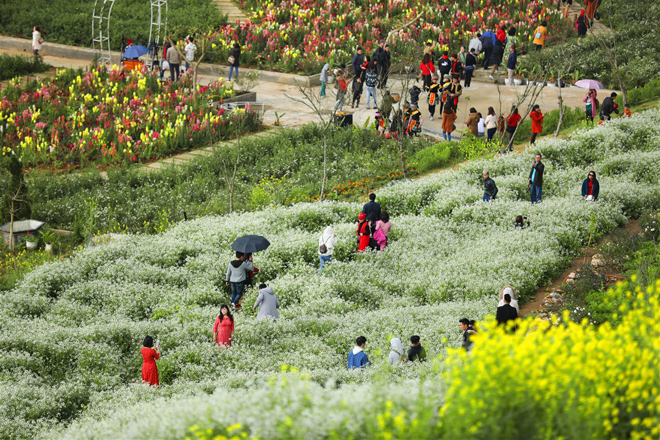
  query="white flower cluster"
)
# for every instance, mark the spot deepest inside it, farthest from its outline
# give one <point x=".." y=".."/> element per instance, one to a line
<point x="71" y="330"/>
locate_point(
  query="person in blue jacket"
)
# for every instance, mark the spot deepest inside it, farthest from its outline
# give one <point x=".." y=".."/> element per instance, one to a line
<point x="590" y="187"/>
<point x="357" y="358"/>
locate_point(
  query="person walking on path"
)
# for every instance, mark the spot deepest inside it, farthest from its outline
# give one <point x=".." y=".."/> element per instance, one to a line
<point x="149" y="357"/>
<point x="267" y="303"/>
<point x="324" y="79"/>
<point x="237" y="273"/>
<point x="540" y="35"/>
<point x="537" y="122"/>
<point x="190" y="50"/>
<point x="448" y="118"/>
<point x="342" y="86"/>
<point x="472" y="122"/>
<point x="581" y="25"/>
<point x="174" y="61"/>
<point x="491" y="124"/>
<point x="416" y="351"/>
<point x="488" y="42"/>
<point x="444" y="64"/>
<point x="514" y="297"/>
<point x="455" y="90"/>
<point x="511" y="40"/>
<point x="357" y="62"/>
<point x="363" y="232"/>
<point x="591" y="105"/>
<point x="434" y="95"/>
<point x="490" y="189"/>
<point x="223" y="328"/>
<point x="357" y="358"/>
<point x="37" y="40"/>
<point x="234" y="60"/>
<point x="371" y="81"/>
<point x="512" y="123"/>
<point x="396" y="351"/>
<point x="496" y="58"/>
<point x="327" y="244"/>
<point x="506" y="312"/>
<point x="536" y="179"/>
<point x="383" y="227"/>
<point x="470" y="66"/>
<point x="590" y="187"/>
<point x="608" y="108"/>
<point x="428" y="70"/>
<point x="372" y="209"/>
<point x="511" y="64"/>
<point x="385" y="62"/>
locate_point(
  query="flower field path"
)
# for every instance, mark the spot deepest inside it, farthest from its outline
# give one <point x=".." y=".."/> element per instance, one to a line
<point x="598" y="27"/>
<point x="234" y="13"/>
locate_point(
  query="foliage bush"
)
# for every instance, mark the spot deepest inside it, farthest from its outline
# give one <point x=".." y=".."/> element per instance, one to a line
<point x="12" y="66"/>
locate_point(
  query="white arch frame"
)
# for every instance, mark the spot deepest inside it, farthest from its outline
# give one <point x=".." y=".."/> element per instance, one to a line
<point x="101" y="26"/>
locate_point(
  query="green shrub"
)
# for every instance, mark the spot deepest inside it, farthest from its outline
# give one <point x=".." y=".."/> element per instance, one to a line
<point x="12" y="66"/>
<point x="435" y="156"/>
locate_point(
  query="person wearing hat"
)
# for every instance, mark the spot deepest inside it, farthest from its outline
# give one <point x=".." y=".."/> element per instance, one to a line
<point x="514" y="297"/>
<point x="363" y="232"/>
<point x="434" y="95"/>
<point x="446" y="83"/>
<point x="455" y="90"/>
<point x="414" y="121"/>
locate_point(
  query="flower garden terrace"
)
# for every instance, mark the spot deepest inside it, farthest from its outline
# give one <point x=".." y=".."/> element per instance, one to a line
<point x="301" y="36"/>
<point x="449" y="256"/>
<point x="112" y="117"/>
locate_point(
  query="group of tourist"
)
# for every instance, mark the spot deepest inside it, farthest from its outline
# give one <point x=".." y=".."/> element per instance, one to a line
<point x="358" y="359"/>
<point x="590" y="185"/>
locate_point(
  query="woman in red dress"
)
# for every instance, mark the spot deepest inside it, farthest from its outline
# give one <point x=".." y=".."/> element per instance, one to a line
<point x="149" y="368"/>
<point x="363" y="232"/>
<point x="223" y="329"/>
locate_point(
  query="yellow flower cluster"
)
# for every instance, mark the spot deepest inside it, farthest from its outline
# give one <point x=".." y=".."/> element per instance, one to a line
<point x="561" y="381"/>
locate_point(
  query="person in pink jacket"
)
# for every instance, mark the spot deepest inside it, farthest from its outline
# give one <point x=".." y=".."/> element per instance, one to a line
<point x="591" y="105"/>
<point x="383" y="227"/>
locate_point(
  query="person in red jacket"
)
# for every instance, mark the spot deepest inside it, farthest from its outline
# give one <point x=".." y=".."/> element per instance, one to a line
<point x="149" y="355"/>
<point x="537" y="122"/>
<point x="501" y="33"/>
<point x="428" y="69"/>
<point x="512" y="122"/>
<point x="363" y="232"/>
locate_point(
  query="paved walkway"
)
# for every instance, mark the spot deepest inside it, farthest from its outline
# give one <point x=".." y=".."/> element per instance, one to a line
<point x="234" y="13"/>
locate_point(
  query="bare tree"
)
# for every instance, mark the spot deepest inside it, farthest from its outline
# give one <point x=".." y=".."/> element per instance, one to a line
<point x="203" y="38"/>
<point x="15" y="200"/>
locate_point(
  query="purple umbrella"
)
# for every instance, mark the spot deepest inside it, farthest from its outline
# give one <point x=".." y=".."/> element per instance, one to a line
<point x="589" y="84"/>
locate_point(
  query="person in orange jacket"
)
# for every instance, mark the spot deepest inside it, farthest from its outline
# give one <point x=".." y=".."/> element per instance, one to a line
<point x="537" y="122"/>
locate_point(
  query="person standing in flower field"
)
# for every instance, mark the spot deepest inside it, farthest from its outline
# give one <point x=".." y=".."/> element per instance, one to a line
<point x="383" y="227"/>
<point x="490" y="189"/>
<point x="223" y="328"/>
<point x="372" y="209"/>
<point x="357" y="358"/>
<point x="327" y="244"/>
<point x="536" y="179"/>
<point x="416" y="351"/>
<point x="190" y="50"/>
<point x="237" y="273"/>
<point x="464" y="325"/>
<point x="174" y="60"/>
<point x="149" y="357"/>
<point x="363" y="232"/>
<point x="396" y="351"/>
<point x="506" y="312"/>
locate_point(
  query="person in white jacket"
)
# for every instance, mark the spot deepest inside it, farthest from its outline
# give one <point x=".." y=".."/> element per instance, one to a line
<point x="327" y="243"/>
<point x="396" y="351"/>
<point x="514" y="298"/>
<point x="37" y="40"/>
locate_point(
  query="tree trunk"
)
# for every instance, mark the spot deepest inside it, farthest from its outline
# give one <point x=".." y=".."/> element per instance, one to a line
<point x="325" y="163"/>
<point x="562" y="109"/>
<point x="403" y="160"/>
<point x="11" y="228"/>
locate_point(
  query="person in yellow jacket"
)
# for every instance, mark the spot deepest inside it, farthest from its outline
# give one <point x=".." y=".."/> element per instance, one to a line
<point x="539" y="35"/>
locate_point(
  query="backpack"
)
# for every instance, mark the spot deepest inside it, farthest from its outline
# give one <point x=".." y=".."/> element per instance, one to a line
<point x="372" y="79"/>
<point x="323" y="249"/>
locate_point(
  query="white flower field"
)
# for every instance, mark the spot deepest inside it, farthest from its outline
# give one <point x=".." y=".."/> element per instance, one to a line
<point x="71" y="331"/>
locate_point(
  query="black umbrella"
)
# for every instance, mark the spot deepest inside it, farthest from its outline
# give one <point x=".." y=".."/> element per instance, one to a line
<point x="250" y="244"/>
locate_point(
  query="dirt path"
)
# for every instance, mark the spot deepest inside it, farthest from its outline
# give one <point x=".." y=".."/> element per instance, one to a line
<point x="535" y="304"/>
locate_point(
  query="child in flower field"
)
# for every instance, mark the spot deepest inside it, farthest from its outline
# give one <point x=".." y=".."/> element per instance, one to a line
<point x="434" y="94"/>
<point x="416" y="351"/>
<point x="363" y="232"/>
<point x="383" y="227"/>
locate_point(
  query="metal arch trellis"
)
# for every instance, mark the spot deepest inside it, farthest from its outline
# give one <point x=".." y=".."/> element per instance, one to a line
<point x="101" y="26"/>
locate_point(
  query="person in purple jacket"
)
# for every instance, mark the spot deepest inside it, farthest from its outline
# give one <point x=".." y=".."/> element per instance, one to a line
<point x="357" y="358"/>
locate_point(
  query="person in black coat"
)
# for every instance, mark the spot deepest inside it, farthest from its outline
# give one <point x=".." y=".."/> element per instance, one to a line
<point x="234" y="60"/>
<point x="607" y="108"/>
<point x="490" y="189"/>
<point x="385" y="63"/>
<point x="536" y="179"/>
<point x="506" y="313"/>
<point x="358" y="60"/>
<point x="372" y="209"/>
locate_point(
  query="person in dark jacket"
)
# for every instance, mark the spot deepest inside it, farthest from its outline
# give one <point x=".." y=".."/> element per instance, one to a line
<point x="496" y="58"/>
<point x="416" y="352"/>
<point x="468" y="331"/>
<point x="378" y="57"/>
<point x="511" y="64"/>
<point x="358" y="60"/>
<point x="234" y="60"/>
<point x="470" y="66"/>
<point x="590" y="187"/>
<point x="487" y="43"/>
<point x="536" y="179"/>
<point x="607" y="108"/>
<point x="506" y="312"/>
<point x="444" y="64"/>
<point x="490" y="189"/>
<point x="414" y="95"/>
<point x="237" y="272"/>
<point x="372" y="209"/>
<point x="385" y="63"/>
